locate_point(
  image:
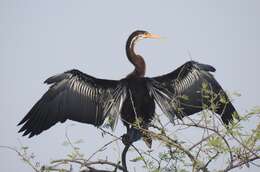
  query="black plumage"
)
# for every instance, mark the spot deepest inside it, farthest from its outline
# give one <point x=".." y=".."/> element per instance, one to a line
<point x="80" y="97"/>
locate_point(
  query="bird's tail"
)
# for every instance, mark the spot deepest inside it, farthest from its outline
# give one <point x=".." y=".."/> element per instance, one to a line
<point x="228" y="113"/>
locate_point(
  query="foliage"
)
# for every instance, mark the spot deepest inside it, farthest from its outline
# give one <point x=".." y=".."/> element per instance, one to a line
<point x="214" y="143"/>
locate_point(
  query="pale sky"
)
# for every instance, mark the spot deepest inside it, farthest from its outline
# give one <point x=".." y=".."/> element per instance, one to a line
<point x="42" y="38"/>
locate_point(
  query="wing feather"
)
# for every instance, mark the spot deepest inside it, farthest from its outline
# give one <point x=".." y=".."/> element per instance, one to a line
<point x="76" y="96"/>
<point x="188" y="90"/>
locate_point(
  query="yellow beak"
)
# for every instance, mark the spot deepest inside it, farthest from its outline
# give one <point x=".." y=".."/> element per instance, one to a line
<point x="149" y="35"/>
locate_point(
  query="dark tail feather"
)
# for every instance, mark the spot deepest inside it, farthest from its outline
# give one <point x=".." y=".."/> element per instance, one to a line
<point x="228" y="113"/>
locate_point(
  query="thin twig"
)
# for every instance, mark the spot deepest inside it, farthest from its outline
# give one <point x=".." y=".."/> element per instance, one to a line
<point x="22" y="156"/>
<point x="102" y="148"/>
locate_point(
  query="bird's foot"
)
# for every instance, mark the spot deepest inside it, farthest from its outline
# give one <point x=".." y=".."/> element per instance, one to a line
<point x="126" y="139"/>
<point x="131" y="136"/>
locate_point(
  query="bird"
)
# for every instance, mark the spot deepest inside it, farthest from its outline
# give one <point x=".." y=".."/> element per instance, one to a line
<point x="74" y="95"/>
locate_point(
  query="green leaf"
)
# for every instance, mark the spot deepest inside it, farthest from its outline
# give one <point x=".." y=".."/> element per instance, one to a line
<point x="25" y="147"/>
<point x="217" y="143"/>
<point x="79" y="141"/>
<point x="65" y="143"/>
<point x="164" y="156"/>
<point x="184" y="97"/>
<point x="204" y="86"/>
<point x="236" y="94"/>
<point x="137" y="159"/>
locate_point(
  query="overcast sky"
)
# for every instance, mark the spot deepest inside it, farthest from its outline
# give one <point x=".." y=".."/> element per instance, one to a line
<point x="42" y="38"/>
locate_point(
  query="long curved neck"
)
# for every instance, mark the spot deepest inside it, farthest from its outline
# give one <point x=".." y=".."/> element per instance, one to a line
<point x="135" y="59"/>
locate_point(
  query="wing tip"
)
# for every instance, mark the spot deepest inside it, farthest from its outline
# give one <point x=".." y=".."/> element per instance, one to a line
<point x="27" y="132"/>
<point x="202" y="66"/>
<point x="21" y="122"/>
<point x="56" y="78"/>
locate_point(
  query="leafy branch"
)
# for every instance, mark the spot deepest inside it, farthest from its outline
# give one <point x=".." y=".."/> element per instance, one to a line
<point x="236" y="145"/>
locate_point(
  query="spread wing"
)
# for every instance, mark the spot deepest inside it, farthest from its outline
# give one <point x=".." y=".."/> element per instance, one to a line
<point x="76" y="96"/>
<point x="190" y="89"/>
